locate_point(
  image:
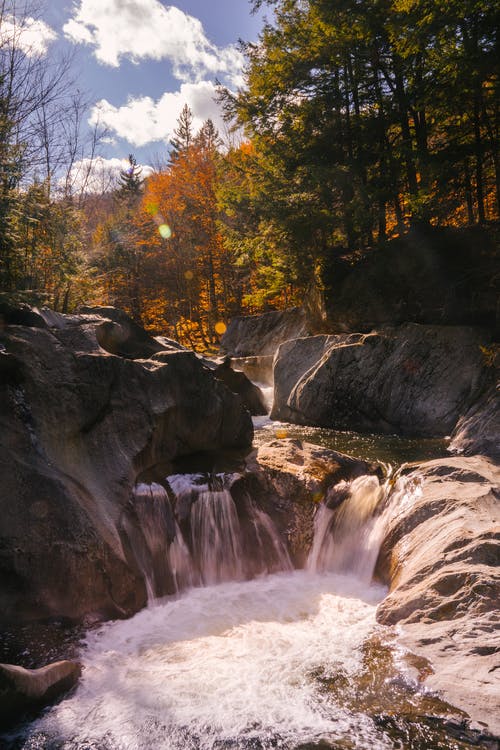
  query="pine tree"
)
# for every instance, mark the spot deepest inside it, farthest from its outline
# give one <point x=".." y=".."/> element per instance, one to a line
<point x="183" y="133"/>
<point x="130" y="181"/>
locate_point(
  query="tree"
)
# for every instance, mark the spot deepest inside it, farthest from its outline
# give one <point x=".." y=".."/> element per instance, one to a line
<point x="184" y="197"/>
<point x="183" y="134"/>
<point x="48" y="262"/>
<point x="365" y="118"/>
<point x="119" y="242"/>
<point x="37" y="113"/>
<point x="129" y="181"/>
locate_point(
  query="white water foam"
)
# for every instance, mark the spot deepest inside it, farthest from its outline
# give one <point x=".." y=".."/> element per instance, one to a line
<point x="227" y="666"/>
<point x="235" y="666"/>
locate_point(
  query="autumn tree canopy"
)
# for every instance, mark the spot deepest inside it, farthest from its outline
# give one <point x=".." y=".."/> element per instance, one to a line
<point x="356" y="121"/>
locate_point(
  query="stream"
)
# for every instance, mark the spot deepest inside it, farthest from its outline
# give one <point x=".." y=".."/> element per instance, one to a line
<point x="258" y="658"/>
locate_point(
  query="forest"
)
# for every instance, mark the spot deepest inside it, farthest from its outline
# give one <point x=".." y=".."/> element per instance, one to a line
<point x="357" y="121"/>
<point x="249" y="386"/>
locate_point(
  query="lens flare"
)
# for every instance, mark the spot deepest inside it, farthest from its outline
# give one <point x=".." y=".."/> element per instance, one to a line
<point x="220" y="328"/>
<point x="165" y="231"/>
<point x="189" y="276"/>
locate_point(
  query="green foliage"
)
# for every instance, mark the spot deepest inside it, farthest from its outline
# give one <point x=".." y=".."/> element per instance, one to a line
<point x="130" y="182"/>
<point x="46" y="242"/>
<point x="365" y="118"/>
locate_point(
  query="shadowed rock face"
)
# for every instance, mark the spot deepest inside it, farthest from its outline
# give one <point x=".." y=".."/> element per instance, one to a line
<point x="250" y="335"/>
<point x="77" y="425"/>
<point x="413" y="380"/>
<point x="478" y="431"/>
<point x="440" y="555"/>
<point x="237" y="382"/>
<point x="430" y="275"/>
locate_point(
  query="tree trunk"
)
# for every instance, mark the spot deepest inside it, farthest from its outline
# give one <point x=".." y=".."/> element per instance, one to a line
<point x="478" y="152"/>
<point x="468" y="193"/>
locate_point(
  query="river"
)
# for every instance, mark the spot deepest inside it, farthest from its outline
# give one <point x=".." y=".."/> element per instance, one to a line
<point x="292" y="660"/>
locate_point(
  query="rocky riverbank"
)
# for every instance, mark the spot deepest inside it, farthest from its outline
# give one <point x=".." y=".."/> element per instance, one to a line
<point x="94" y="412"/>
<point x="412" y="380"/>
<point x="79" y="426"/>
<point x="440" y="557"/>
<point x="441" y="551"/>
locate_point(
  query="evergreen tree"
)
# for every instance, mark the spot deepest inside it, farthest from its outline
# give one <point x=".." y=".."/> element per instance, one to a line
<point x="130" y="181"/>
<point x="366" y="118"/>
<point x="183" y="133"/>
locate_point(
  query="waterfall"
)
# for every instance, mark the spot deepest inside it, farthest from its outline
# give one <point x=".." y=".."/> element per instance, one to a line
<point x="156" y="522"/>
<point x="270" y="550"/>
<point x="349" y="525"/>
<point x="180" y="562"/>
<point x="347" y="529"/>
<point x="216" y="537"/>
<point x="208" y="532"/>
<point x="203" y="536"/>
<point x="229" y="540"/>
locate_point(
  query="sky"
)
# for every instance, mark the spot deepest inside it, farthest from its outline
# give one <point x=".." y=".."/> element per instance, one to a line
<point x="141" y="60"/>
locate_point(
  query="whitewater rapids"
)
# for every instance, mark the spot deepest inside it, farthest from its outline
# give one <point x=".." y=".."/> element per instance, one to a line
<point x="226" y="666"/>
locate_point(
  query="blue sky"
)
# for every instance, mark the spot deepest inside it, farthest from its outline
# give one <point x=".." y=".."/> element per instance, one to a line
<point x="142" y="60"/>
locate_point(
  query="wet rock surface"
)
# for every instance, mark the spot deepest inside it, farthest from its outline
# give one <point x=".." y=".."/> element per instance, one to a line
<point x="77" y="425"/>
<point x="412" y="380"/>
<point x="26" y="690"/>
<point x="441" y="557"/>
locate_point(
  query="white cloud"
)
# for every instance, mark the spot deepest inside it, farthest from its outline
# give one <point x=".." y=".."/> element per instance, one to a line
<point x="147" y="29"/>
<point x="100" y="175"/>
<point x="30" y="35"/>
<point x="142" y="120"/>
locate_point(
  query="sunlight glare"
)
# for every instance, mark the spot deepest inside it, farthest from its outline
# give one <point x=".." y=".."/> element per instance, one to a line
<point x="165" y="231"/>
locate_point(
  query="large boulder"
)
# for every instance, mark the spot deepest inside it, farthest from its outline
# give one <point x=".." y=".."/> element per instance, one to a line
<point x="291" y="478"/>
<point x="121" y="335"/>
<point x="478" y="430"/>
<point x="430" y="275"/>
<point x="412" y="380"/>
<point x="250" y="335"/>
<point x="440" y="557"/>
<point x="77" y="427"/>
<point x="24" y="690"/>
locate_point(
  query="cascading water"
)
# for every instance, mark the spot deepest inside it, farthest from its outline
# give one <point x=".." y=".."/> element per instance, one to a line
<point x="269" y="543"/>
<point x="157" y="525"/>
<point x="180" y="562"/>
<point x="350" y="524"/>
<point x="347" y="530"/>
<point x="242" y="664"/>
<point x="202" y="540"/>
<point x="215" y="537"/>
